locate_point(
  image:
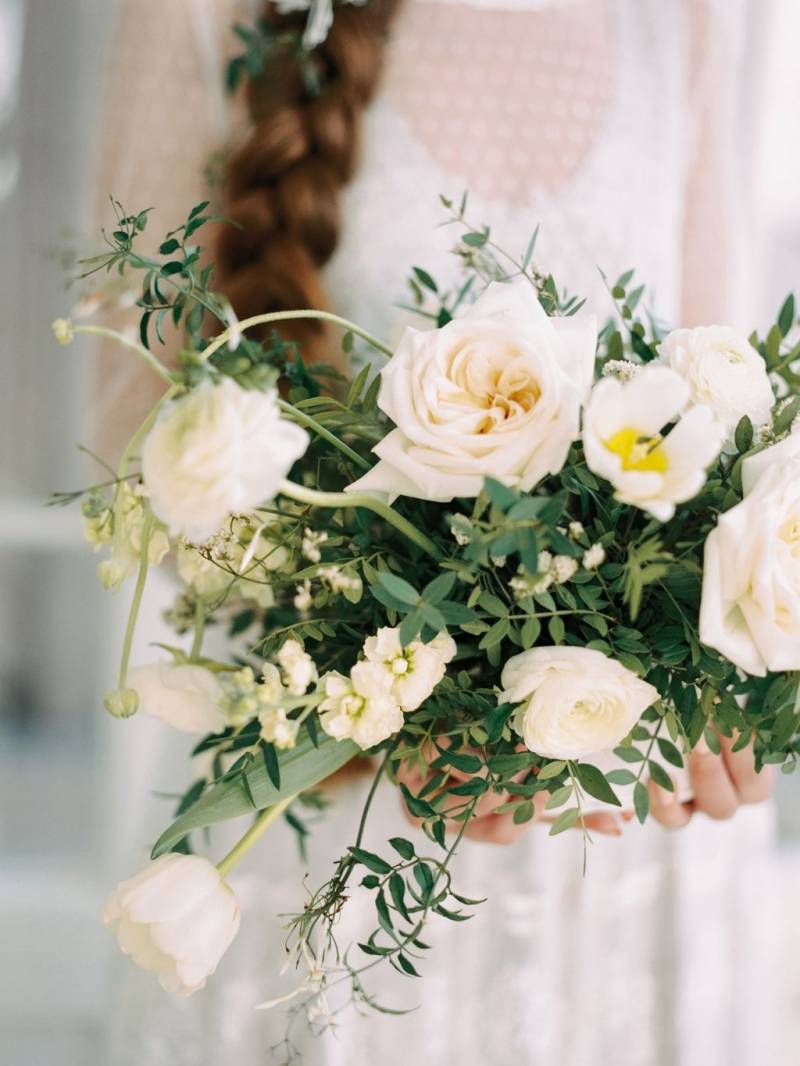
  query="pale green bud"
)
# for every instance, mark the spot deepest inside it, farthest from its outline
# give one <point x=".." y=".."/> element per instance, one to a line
<point x="121" y="702"/>
<point x="63" y="331"/>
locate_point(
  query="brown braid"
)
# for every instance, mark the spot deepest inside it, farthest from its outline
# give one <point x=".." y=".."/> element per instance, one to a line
<point x="284" y="183"/>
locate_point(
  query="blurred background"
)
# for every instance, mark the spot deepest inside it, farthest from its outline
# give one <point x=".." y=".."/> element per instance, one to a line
<point x="64" y="771"/>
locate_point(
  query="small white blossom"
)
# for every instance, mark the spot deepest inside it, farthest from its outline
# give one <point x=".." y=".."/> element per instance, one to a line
<point x="594" y="557"/>
<point x="544" y="562"/>
<point x="303" y="600"/>
<point x="311" y="543"/>
<point x="360" y="707"/>
<point x="562" y="568"/>
<point x="278" y="729"/>
<point x="63" y="331"/>
<point x="576" y="530"/>
<point x="298" y="667"/>
<point x="460" y="536"/>
<point x="339" y="580"/>
<point x="621" y="369"/>
<point x="500" y="560"/>
<point x="415" y="670"/>
<point x="524" y="584"/>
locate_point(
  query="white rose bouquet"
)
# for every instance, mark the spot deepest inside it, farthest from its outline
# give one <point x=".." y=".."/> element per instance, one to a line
<point x="524" y="548"/>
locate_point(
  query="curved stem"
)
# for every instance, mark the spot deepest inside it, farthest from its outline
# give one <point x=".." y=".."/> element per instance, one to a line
<point x="359" y="499"/>
<point x="259" y="826"/>
<point x="142" y="431"/>
<point x="128" y="342"/>
<point x="287" y="316"/>
<point x="199" y="628"/>
<point x="311" y="423"/>
<point x="133" y="613"/>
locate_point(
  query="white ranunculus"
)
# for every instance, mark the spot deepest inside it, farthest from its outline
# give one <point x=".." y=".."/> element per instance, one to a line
<point x="723" y="371"/>
<point x="495" y="393"/>
<point x="184" y="696"/>
<point x="360" y="707"/>
<point x="176" y="918"/>
<point x="218" y="450"/>
<point x="623" y="442"/>
<point x="750" y="607"/>
<point x="415" y="670"/>
<point x="574" y="702"/>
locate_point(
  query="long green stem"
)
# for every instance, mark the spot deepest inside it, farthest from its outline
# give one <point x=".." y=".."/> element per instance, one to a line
<point x="143" y="430"/>
<point x="359" y="499"/>
<point x="311" y="423"/>
<point x="256" y="830"/>
<point x="287" y="316"/>
<point x="136" y="602"/>
<point x="199" y="628"/>
<point x="128" y="342"/>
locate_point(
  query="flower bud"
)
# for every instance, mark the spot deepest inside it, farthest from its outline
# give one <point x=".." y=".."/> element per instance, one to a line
<point x="63" y="331"/>
<point x="121" y="702"/>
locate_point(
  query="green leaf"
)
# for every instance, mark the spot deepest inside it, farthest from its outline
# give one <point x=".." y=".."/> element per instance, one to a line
<point x="549" y="770"/>
<point x="670" y="752"/>
<point x="271" y="764"/>
<point x="399" y="588"/>
<point x="301" y="768"/>
<point x="440" y="588"/>
<point x="495" y="635"/>
<point x="475" y="240"/>
<point x="500" y="495"/>
<point x="559" y="797"/>
<point x="620" y="777"/>
<point x="786" y="315"/>
<point x="424" y="278"/>
<point x="403" y="847"/>
<point x="660" y="775"/>
<point x="397" y="890"/>
<point x="743" y="436"/>
<point x="370" y="860"/>
<point x="565" y="820"/>
<point x="555" y="628"/>
<point x="468" y="764"/>
<point x="629" y="754"/>
<point x="594" y="782"/>
<point x="641" y="801"/>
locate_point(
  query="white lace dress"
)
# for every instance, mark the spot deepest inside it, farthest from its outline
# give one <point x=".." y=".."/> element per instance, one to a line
<point x="597" y="120"/>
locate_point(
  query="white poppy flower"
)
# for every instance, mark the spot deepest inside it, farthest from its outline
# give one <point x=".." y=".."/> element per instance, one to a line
<point x="723" y="371"/>
<point x="187" y="697"/>
<point x="623" y="441"/>
<point x="218" y="450"/>
<point x="575" y="702"/>
<point x="360" y="707"/>
<point x="176" y="918"/>
<point x="495" y="393"/>
<point x="415" y="670"/>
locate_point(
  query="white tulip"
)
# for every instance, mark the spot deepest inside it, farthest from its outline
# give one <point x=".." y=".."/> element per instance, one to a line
<point x="176" y="918"/>
<point x="218" y="450"/>
<point x="750" y="607"/>
<point x="415" y="670"/>
<point x="185" y="696"/>
<point x="360" y="707"/>
<point x="623" y="442"/>
<point x="575" y="702"/>
<point x="495" y="393"/>
<point x="724" y="373"/>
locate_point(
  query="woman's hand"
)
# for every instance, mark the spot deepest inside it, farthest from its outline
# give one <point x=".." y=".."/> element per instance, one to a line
<point x="721" y="784"/>
<point x="493" y="828"/>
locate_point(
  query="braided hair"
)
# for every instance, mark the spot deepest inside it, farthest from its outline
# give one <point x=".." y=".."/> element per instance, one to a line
<point x="284" y="183"/>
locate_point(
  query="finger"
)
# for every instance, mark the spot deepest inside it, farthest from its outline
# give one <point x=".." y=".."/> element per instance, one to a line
<point x="496" y="829"/>
<point x="714" y="791"/>
<point x="666" y="808"/>
<point x="607" y="823"/>
<point x="753" y="787"/>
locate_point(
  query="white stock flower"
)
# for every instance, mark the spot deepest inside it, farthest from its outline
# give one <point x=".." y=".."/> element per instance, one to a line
<point x="495" y="393"/>
<point x="278" y="729"/>
<point x="594" y="557"/>
<point x="185" y="696"/>
<point x="119" y="527"/>
<point x="575" y="702"/>
<point x="723" y="371"/>
<point x="415" y="670"/>
<point x="298" y="667"/>
<point x="176" y="918"/>
<point x="623" y="441"/>
<point x="360" y="707"/>
<point x="303" y="599"/>
<point x="750" y="607"/>
<point x="218" y="450"/>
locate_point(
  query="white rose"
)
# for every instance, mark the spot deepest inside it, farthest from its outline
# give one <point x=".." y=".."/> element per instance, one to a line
<point x="723" y="371"/>
<point x="623" y="442"/>
<point x="184" y="696"/>
<point x="495" y="393"/>
<point x="176" y="918"/>
<point x="575" y="702"/>
<point x="750" y="607"/>
<point x="360" y="707"/>
<point x="415" y="670"/>
<point x="218" y="450"/>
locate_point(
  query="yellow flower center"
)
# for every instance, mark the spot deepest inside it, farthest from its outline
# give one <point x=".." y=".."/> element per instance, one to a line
<point x="353" y="705"/>
<point x="638" y="451"/>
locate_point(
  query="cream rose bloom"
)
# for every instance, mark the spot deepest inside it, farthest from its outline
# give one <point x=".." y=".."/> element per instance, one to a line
<point x="495" y="393"/>
<point x="723" y="371"/>
<point x="415" y="670"/>
<point x="360" y="707"/>
<point x="575" y="702"/>
<point x="176" y="918"/>
<point x="750" y="607"/>
<point x="624" y="443"/>
<point x="218" y="450"/>
<point x="186" y="697"/>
